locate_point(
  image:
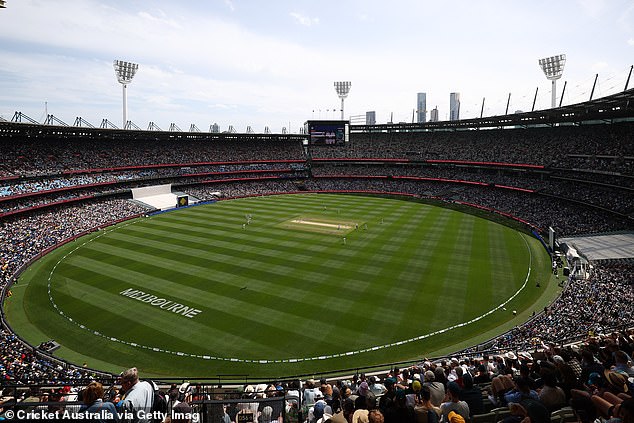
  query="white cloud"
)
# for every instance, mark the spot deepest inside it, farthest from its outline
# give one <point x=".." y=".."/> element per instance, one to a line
<point x="304" y="20"/>
<point x="631" y="41"/>
<point x="593" y="8"/>
<point x="599" y="66"/>
<point x="161" y="19"/>
<point x="626" y="18"/>
<point x="230" y="5"/>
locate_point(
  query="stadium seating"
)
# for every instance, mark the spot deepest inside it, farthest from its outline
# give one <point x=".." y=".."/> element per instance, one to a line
<point x="575" y="179"/>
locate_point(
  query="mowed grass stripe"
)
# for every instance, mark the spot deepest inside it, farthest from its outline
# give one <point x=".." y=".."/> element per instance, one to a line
<point x="422" y="301"/>
<point x="447" y="283"/>
<point x="318" y="262"/>
<point x="269" y="296"/>
<point x="210" y="264"/>
<point x="239" y="208"/>
<point x="258" y="249"/>
<point x="505" y="280"/>
<point x="146" y="325"/>
<point x="279" y="240"/>
<point x="427" y="274"/>
<point x="232" y="320"/>
<point x="479" y="276"/>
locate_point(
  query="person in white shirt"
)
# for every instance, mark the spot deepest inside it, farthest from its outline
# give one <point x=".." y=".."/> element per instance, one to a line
<point x="136" y="403"/>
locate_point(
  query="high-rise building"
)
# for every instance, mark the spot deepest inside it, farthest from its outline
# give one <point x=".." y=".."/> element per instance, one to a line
<point x="454" y="106"/>
<point x="370" y="118"/>
<point x="421" y="107"/>
<point x="433" y="115"/>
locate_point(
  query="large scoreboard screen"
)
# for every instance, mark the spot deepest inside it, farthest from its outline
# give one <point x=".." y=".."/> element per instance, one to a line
<point x="328" y="132"/>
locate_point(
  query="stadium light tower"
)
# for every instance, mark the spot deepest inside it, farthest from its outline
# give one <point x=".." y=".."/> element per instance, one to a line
<point x="125" y="71"/>
<point x="553" y="67"/>
<point x="342" y="88"/>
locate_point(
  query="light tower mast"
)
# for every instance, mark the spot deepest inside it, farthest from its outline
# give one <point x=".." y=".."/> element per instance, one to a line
<point x="342" y="88"/>
<point x="125" y="71"/>
<point x="553" y="68"/>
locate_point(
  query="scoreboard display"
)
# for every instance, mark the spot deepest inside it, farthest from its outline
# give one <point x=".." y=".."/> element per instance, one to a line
<point x="328" y="132"/>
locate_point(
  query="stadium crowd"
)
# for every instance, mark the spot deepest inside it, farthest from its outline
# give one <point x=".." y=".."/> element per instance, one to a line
<point x="586" y="307"/>
<point x="31" y="157"/>
<point x="589" y="306"/>
<point x="581" y="382"/>
<point x="12" y="187"/>
<point x="556" y="147"/>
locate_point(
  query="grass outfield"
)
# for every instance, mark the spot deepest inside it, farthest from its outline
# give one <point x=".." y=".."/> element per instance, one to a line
<point x="194" y="293"/>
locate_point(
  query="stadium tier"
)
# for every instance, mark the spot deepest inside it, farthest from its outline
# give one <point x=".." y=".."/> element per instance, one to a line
<point x="393" y="247"/>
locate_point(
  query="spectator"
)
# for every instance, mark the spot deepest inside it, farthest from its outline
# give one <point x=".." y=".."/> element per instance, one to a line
<point x="453" y="403"/>
<point x="137" y="396"/>
<point x="94" y="407"/>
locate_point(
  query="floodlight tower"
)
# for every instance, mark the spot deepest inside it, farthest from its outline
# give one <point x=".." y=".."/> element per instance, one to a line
<point x="125" y="71"/>
<point x="342" y="88"/>
<point x="553" y="67"/>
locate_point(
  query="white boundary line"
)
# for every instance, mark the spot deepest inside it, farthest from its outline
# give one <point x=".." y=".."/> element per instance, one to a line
<point x="290" y="360"/>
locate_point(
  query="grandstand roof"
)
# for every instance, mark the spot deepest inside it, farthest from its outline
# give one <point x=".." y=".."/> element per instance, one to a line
<point x="608" y="109"/>
<point x="604" y="247"/>
<point x="605" y="110"/>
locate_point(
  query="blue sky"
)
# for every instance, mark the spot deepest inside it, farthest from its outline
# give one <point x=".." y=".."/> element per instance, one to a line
<point x="273" y="63"/>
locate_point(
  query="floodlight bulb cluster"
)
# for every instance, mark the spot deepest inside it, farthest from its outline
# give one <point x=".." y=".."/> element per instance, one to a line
<point x="343" y="88"/>
<point x="553" y="67"/>
<point x="125" y="71"/>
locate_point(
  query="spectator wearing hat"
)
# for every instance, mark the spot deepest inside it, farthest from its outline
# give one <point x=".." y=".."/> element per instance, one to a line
<point x="436" y="389"/>
<point x="319" y="405"/>
<point x="387" y="399"/>
<point x="616" y="382"/>
<point x="182" y="413"/>
<point x="320" y="412"/>
<point x="453" y="403"/>
<point x="362" y="408"/>
<point x="565" y="375"/>
<point x="412" y="392"/>
<point x="375" y="386"/>
<point x="454" y="417"/>
<point x="362" y="392"/>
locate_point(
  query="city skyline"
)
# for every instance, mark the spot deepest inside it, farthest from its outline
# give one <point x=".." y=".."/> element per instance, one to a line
<point x="247" y="63"/>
